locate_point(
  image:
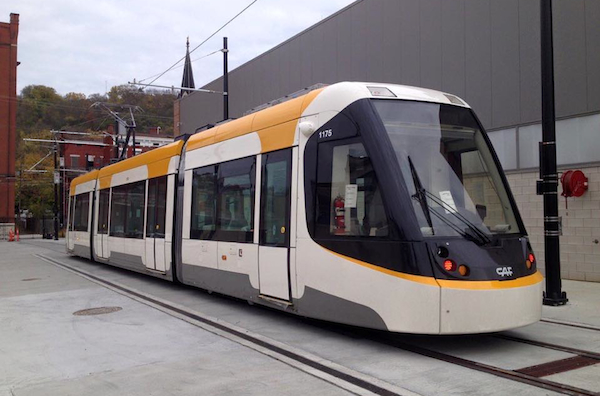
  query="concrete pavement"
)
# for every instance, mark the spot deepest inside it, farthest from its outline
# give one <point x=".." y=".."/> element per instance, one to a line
<point x="125" y="351"/>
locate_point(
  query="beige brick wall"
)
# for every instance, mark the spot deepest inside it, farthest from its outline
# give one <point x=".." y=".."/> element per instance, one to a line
<point x="580" y="243"/>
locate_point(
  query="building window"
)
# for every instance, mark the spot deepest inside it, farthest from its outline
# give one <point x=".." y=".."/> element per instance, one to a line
<point x="349" y="200"/>
<point x="74" y="161"/>
<point x="81" y="214"/>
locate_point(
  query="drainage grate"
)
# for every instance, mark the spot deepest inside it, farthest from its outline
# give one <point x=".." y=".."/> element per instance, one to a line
<point x="558" y="366"/>
<point x="97" y="311"/>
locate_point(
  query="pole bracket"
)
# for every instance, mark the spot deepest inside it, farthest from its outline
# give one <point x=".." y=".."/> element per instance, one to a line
<point x="543" y="187"/>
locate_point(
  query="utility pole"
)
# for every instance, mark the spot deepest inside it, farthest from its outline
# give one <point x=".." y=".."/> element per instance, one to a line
<point x="548" y="186"/>
<point x="225" y="81"/>
<point x="130" y="126"/>
<point x="56" y="182"/>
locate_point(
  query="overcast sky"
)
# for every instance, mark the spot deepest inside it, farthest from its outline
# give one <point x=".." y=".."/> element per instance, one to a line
<point x="85" y="46"/>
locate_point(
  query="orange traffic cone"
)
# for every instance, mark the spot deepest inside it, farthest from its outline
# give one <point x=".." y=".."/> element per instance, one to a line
<point x="11" y="236"/>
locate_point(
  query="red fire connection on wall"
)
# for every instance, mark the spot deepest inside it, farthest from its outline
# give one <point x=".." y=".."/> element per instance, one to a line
<point x="574" y="183"/>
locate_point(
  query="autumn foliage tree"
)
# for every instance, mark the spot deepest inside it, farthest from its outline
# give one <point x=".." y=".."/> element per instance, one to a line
<point x="41" y="109"/>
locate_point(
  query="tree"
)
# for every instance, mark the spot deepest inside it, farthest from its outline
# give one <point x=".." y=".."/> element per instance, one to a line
<point x="41" y="109"/>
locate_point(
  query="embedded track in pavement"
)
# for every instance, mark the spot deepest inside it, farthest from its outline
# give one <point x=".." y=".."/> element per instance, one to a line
<point x="365" y="382"/>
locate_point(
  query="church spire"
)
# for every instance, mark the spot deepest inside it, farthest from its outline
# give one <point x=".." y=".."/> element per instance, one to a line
<point x="188" y="75"/>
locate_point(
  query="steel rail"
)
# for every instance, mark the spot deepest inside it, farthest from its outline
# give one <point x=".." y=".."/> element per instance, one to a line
<point x="486" y="368"/>
<point x="571" y="324"/>
<point x="314" y="364"/>
<point x="387" y="339"/>
<point x="542" y="344"/>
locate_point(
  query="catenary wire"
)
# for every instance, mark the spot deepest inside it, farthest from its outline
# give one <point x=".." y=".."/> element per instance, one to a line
<point x="205" y="40"/>
<point x="180" y="66"/>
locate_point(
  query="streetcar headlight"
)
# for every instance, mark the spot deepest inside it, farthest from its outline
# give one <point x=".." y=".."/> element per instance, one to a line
<point x="463" y="270"/>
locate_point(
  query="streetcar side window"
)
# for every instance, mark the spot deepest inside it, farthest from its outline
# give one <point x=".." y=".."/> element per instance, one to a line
<point x="349" y="199"/>
<point x="82" y="208"/>
<point x="204" y="203"/>
<point x="235" y="200"/>
<point x="157" y="207"/>
<point x="118" y="207"/>
<point x="136" y="197"/>
<point x="223" y="201"/>
<point x="103" y="211"/>
<point x="71" y="211"/>
<point x="127" y="210"/>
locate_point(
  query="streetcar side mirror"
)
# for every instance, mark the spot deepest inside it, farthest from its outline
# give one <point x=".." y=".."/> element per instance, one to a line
<point x="481" y="211"/>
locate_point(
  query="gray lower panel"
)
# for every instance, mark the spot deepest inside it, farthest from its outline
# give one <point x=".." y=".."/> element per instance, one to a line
<point x="134" y="263"/>
<point x="313" y="304"/>
<point x="127" y="260"/>
<point x="319" y="305"/>
<point x="81" y="251"/>
<point x="224" y="282"/>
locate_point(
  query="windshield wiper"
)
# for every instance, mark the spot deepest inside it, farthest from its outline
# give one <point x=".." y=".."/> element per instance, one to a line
<point x="420" y="194"/>
<point x="483" y="238"/>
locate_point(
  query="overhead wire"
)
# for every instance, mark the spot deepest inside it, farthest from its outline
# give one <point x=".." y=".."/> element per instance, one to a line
<point x="205" y="40"/>
<point x="180" y="66"/>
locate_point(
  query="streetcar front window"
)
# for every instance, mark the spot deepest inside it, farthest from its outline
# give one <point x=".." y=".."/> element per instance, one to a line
<point x="455" y="186"/>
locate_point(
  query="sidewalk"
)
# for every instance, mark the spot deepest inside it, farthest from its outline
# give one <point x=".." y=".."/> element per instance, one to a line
<point x="583" y="306"/>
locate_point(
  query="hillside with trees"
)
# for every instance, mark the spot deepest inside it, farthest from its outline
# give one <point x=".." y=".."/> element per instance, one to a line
<point x="41" y="109"/>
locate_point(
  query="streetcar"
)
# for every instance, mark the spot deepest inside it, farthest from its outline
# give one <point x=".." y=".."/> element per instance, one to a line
<point x="374" y="205"/>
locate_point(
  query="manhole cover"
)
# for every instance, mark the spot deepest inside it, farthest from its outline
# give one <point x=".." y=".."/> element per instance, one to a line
<point x="97" y="311"/>
<point x="30" y="279"/>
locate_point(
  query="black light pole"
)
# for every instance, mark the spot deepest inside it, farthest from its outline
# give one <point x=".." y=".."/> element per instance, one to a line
<point x="225" y="81"/>
<point x="548" y="186"/>
<point x="56" y="181"/>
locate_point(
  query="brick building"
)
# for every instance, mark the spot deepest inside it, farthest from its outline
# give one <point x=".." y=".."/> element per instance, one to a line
<point x="8" y="117"/>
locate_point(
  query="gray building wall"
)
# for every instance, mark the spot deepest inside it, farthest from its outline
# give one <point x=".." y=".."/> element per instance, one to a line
<point x="485" y="51"/>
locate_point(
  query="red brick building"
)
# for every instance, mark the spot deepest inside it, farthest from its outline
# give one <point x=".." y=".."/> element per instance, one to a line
<point x="8" y="116"/>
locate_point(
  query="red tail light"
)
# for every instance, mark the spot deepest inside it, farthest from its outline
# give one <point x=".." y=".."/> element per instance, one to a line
<point x="449" y="265"/>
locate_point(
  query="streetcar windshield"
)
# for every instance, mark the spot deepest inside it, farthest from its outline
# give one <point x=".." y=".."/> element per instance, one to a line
<point x="448" y="168"/>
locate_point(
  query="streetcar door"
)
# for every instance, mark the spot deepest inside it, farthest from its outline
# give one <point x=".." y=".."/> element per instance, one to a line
<point x="155" y="224"/>
<point x="102" y="223"/>
<point x="274" y="233"/>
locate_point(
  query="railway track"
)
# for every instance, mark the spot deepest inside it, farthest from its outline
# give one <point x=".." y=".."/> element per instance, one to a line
<point x="346" y="375"/>
<point x="514" y="375"/>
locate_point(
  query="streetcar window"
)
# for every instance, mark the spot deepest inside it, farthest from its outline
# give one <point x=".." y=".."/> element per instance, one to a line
<point x="82" y="208"/>
<point x="349" y="199"/>
<point x="157" y="206"/>
<point x="127" y="210"/>
<point x="117" y="211"/>
<point x="235" y="205"/>
<point x="443" y="154"/>
<point x="223" y="201"/>
<point x="71" y="211"/>
<point x="136" y="196"/>
<point x="103" y="211"/>
<point x="204" y="203"/>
